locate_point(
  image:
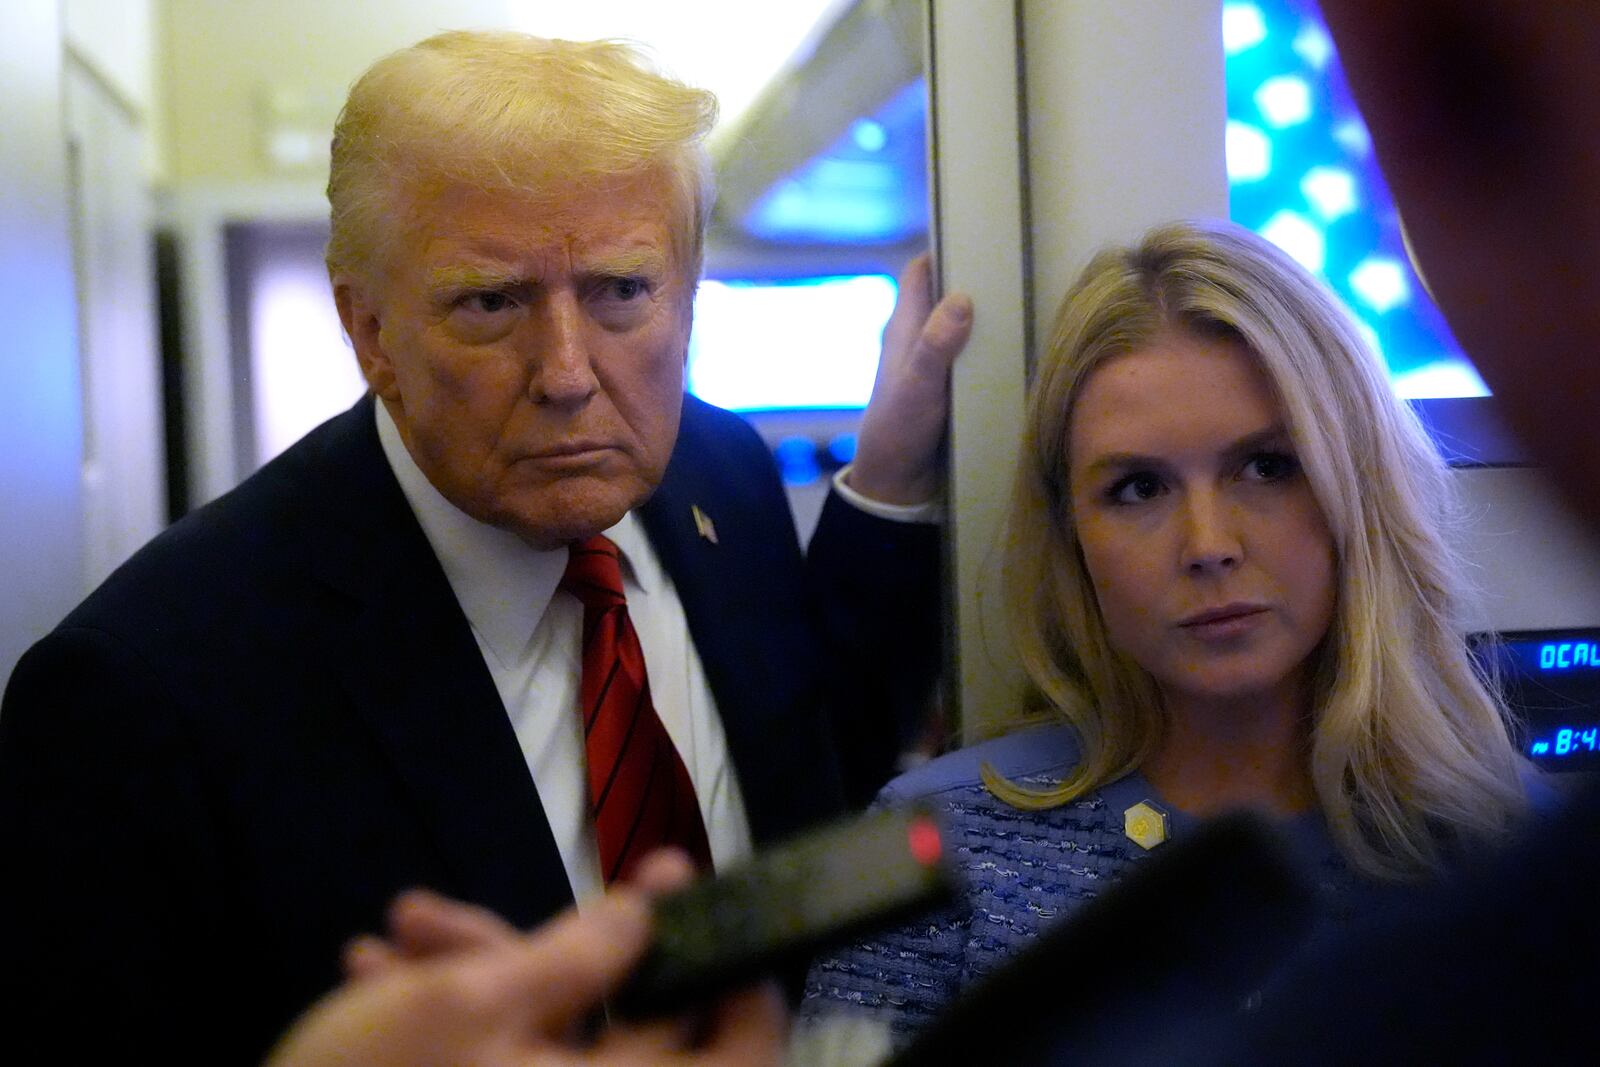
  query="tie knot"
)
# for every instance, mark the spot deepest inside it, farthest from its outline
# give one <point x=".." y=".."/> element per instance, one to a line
<point x="594" y="573"/>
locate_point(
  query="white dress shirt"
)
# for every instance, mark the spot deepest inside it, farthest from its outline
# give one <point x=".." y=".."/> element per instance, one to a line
<point x="530" y="635"/>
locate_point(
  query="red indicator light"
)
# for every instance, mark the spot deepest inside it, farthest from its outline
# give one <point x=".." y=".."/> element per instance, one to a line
<point x="923" y="839"/>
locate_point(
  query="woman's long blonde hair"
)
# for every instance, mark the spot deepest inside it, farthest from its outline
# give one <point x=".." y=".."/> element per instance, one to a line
<point x="1410" y="752"/>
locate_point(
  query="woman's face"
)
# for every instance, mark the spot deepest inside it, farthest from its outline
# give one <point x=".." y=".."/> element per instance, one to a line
<point x="1212" y="564"/>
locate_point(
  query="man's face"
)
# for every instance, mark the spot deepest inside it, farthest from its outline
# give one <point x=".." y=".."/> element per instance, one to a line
<point x="531" y="351"/>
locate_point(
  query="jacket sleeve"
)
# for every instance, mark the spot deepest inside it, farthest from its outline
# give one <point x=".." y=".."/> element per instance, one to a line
<point x="107" y="913"/>
<point x="875" y="600"/>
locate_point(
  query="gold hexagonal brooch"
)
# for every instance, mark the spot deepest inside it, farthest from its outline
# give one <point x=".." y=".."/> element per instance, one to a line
<point x="1145" y="824"/>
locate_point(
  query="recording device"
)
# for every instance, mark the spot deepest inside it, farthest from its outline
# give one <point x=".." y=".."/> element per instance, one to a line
<point x="786" y="905"/>
<point x="1148" y="972"/>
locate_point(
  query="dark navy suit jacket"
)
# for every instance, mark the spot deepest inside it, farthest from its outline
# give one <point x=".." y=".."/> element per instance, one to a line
<point x="274" y="717"/>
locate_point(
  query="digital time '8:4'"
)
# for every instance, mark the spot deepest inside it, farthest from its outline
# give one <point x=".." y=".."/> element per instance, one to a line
<point x="1570" y="740"/>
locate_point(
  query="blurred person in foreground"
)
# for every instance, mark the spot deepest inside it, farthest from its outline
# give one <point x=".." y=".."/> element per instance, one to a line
<point x="523" y="613"/>
<point x="1487" y="126"/>
<point x="1229" y="583"/>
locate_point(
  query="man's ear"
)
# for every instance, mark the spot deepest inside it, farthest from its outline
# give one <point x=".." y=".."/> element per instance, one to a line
<point x="359" y="312"/>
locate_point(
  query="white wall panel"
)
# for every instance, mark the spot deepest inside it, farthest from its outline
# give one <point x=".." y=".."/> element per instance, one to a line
<point x="1536" y="567"/>
<point x="40" y="406"/>
<point x="124" y="461"/>
<point x="1060" y="125"/>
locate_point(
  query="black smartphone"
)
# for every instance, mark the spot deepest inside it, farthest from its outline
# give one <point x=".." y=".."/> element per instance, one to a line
<point x="787" y="904"/>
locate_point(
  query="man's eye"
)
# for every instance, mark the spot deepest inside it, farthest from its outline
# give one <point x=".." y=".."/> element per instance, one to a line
<point x="488" y="303"/>
<point x="625" y="288"/>
<point x="1135" y="489"/>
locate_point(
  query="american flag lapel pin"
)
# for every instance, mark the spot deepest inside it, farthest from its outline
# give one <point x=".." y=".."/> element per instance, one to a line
<point x="703" y="524"/>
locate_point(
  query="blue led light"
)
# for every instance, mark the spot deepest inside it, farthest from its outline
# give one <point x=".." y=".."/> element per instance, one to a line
<point x="1301" y="172"/>
<point x="869" y="136"/>
<point x="1331" y="191"/>
<point x="1381" y="283"/>
<point x="1298" y="236"/>
<point x="1284" y="101"/>
<point x="1249" y="152"/>
<point x="1243" y="27"/>
<point x="1445" y="377"/>
<point x="1313" y="45"/>
<point x="1352" y="136"/>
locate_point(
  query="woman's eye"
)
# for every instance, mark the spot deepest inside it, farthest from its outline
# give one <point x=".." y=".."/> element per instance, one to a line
<point x="1135" y="489"/>
<point x="1271" y="466"/>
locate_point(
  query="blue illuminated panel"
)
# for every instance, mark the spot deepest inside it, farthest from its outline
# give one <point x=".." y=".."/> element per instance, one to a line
<point x="1565" y="741"/>
<point x="1561" y="655"/>
<point x="789" y="344"/>
<point x="1301" y="173"/>
<point x="869" y="187"/>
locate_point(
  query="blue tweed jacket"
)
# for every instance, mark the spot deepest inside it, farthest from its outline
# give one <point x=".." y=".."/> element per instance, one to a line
<point x="1024" y="871"/>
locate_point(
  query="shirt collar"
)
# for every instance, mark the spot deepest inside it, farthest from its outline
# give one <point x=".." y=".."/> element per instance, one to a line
<point x="503" y="585"/>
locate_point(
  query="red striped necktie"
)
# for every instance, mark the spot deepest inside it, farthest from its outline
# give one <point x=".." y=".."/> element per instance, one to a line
<point x="640" y="796"/>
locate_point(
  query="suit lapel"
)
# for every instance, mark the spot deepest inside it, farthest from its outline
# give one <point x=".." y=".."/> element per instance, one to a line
<point x="739" y="582"/>
<point x="416" y="677"/>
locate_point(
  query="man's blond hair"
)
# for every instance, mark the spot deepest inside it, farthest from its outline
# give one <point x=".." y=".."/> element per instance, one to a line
<point x="507" y="111"/>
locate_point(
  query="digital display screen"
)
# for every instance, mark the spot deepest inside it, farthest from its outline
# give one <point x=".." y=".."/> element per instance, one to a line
<point x="1551" y="680"/>
<point x="788" y="344"/>
<point x="1561" y="654"/>
<point x="1566" y="741"/>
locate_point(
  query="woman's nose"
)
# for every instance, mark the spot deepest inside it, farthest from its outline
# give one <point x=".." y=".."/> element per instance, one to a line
<point x="1211" y="541"/>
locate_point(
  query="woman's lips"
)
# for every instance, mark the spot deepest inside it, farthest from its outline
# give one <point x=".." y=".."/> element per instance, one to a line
<point x="1217" y="624"/>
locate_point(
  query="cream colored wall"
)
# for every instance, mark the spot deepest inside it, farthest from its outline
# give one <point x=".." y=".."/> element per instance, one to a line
<point x="113" y="42"/>
<point x="116" y="37"/>
<point x="222" y="63"/>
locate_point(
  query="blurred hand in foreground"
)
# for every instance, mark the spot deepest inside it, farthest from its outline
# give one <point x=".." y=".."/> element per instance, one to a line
<point x="455" y="984"/>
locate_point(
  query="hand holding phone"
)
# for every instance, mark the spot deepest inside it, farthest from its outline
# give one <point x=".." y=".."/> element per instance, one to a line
<point x="786" y="905"/>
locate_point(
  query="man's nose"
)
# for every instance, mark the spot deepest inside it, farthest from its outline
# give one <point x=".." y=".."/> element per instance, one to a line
<point x="1211" y="542"/>
<point x="563" y="373"/>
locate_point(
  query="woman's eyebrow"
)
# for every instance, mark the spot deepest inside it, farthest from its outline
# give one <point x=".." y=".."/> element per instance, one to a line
<point x="1274" y="436"/>
<point x="1119" y="461"/>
